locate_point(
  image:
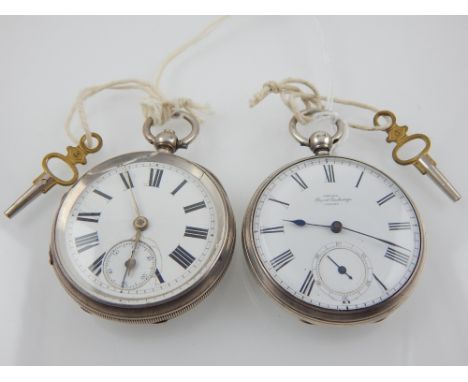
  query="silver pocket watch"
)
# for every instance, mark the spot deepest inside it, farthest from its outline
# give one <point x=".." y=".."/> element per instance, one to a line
<point x="144" y="236"/>
<point x="333" y="239"/>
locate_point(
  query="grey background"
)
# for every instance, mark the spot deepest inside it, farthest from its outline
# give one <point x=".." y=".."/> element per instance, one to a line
<point x="415" y="66"/>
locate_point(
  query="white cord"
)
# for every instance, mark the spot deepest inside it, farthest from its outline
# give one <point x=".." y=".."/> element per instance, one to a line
<point x="299" y="95"/>
<point x="296" y="91"/>
<point x="155" y="105"/>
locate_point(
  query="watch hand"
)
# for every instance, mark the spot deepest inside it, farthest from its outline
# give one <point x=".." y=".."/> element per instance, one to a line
<point x="301" y="223"/>
<point x="337" y="227"/>
<point x="125" y="275"/>
<point x="140" y="224"/>
<point x="130" y="263"/>
<point x="129" y="185"/>
<point x="333" y="261"/>
<point x="134" y="203"/>
<point x="376" y="238"/>
<point x="341" y="268"/>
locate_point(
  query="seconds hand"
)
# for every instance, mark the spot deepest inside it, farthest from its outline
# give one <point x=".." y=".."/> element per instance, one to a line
<point x="131" y="262"/>
<point x="341" y="268"/>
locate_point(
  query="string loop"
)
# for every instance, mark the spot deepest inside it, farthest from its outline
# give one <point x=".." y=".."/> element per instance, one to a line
<point x="155" y="105"/>
<point x="299" y="95"/>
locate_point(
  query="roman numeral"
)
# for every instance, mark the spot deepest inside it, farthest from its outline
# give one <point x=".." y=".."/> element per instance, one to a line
<point x="92" y="217"/>
<point x="279" y="201"/>
<point x="155" y="177"/>
<point x="272" y="229"/>
<point x="182" y="257"/>
<point x="329" y="173"/>
<point x="158" y="276"/>
<point x="399" y="257"/>
<point x="281" y="260"/>
<point x="86" y="242"/>
<point x="197" y="233"/>
<point x="308" y="284"/>
<point x="359" y="180"/>
<point x="194" y="207"/>
<point x="178" y="187"/>
<point x="96" y="266"/>
<point x="399" y="226"/>
<point x="380" y="282"/>
<point x="299" y="180"/>
<point x="386" y="198"/>
<point x="100" y="193"/>
<point x="126" y="180"/>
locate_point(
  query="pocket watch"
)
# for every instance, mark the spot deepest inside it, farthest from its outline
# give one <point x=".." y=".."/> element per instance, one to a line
<point x="333" y="239"/>
<point x="145" y="236"/>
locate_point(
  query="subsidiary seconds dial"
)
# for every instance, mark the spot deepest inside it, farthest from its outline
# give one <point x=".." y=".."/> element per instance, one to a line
<point x="334" y="234"/>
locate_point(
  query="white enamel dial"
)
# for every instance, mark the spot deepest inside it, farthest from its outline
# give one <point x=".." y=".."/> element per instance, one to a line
<point x="112" y="261"/>
<point x="336" y="233"/>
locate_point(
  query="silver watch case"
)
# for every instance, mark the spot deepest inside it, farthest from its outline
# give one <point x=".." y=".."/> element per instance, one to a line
<point x="167" y="309"/>
<point x="307" y="312"/>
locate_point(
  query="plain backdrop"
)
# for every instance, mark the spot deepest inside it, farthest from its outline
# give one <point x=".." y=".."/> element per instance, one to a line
<point x="415" y="66"/>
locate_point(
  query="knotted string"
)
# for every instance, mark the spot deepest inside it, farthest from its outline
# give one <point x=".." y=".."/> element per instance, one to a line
<point x="154" y="105"/>
<point x="299" y="95"/>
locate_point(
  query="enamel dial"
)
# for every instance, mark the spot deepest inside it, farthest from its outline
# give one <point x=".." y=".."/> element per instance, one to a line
<point x="333" y="234"/>
<point x="142" y="232"/>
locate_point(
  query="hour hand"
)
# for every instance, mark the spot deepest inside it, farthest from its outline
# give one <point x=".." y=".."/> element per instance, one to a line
<point x="302" y="223"/>
<point x="298" y="222"/>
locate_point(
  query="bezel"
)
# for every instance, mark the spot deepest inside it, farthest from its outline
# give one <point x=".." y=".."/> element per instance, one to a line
<point x="307" y="312"/>
<point x="172" y="307"/>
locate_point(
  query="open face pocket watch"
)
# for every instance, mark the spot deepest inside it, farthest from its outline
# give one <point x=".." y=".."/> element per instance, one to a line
<point x="333" y="239"/>
<point x="144" y="236"/>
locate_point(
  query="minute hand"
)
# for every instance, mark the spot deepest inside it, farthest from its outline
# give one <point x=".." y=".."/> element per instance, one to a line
<point x="337" y="227"/>
<point x="376" y="238"/>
